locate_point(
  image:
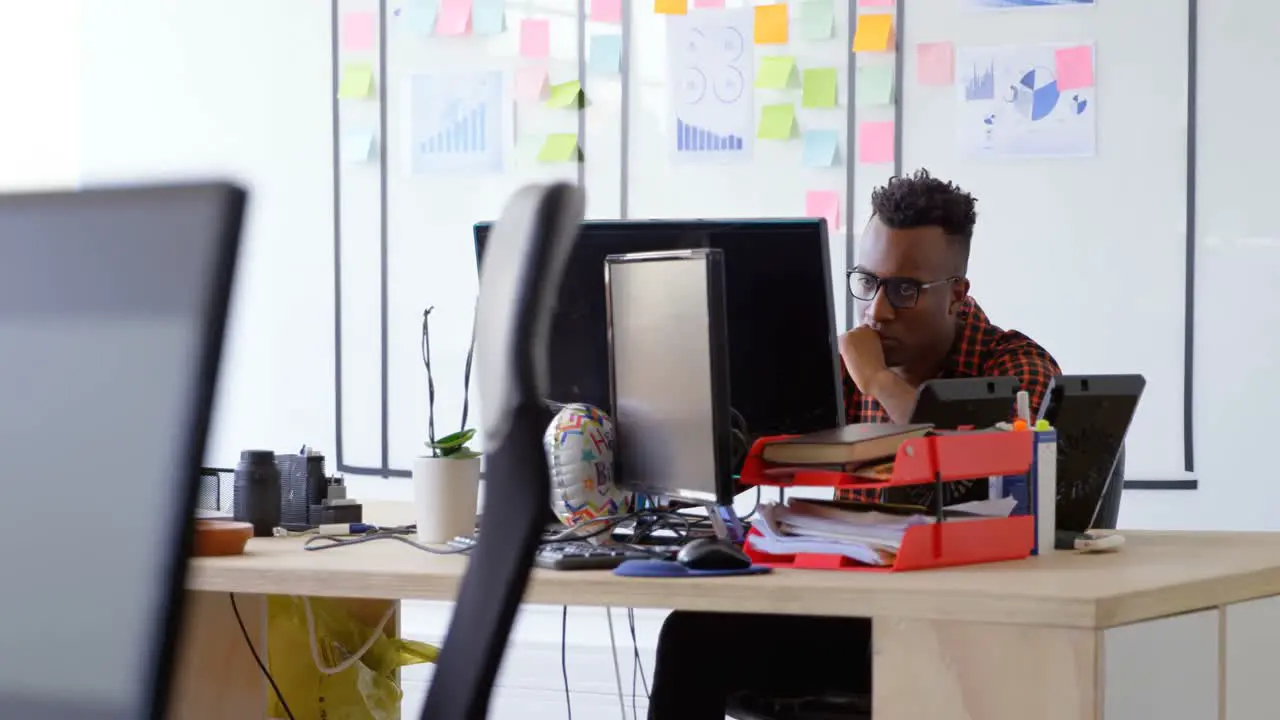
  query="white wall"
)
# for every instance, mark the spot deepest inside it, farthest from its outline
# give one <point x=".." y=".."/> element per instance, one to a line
<point x="40" y="47"/>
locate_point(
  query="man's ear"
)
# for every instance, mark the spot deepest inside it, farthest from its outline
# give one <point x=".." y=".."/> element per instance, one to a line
<point x="959" y="291"/>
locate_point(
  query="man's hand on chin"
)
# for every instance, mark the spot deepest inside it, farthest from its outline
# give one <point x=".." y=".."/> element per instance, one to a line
<point x="863" y="356"/>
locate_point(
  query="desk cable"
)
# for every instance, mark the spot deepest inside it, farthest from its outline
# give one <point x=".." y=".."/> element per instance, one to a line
<point x="564" y="658"/>
<point x="258" y="658"/>
<point x="636" y="664"/>
<point x="617" y="669"/>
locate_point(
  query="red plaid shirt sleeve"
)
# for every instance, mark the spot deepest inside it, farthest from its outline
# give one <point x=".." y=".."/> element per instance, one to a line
<point x="1021" y="358"/>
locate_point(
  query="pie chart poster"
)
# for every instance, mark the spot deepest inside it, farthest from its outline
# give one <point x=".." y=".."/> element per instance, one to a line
<point x="1027" y="100"/>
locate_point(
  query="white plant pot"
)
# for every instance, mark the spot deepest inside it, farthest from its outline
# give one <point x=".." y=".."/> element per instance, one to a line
<point x="445" y="491"/>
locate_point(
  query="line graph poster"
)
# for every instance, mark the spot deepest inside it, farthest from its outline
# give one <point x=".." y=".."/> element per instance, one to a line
<point x="1027" y="100"/>
<point x="455" y="123"/>
<point x="710" y="66"/>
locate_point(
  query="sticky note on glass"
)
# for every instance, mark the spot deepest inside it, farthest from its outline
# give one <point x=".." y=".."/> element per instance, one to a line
<point x="820" y="147"/>
<point x="559" y="147"/>
<point x="357" y="81"/>
<point x="874" y="33"/>
<point x="357" y="147"/>
<point x="606" y="11"/>
<point x="775" y="72"/>
<point x="708" y="3"/>
<point x="935" y="63"/>
<point x="671" y="7"/>
<point x="565" y="94"/>
<point x="1074" y="67"/>
<point x="530" y="84"/>
<point x="421" y="15"/>
<point x="875" y="3"/>
<point x="819" y="88"/>
<point x="455" y="18"/>
<point x="776" y="121"/>
<point x="875" y="142"/>
<point x="817" y="19"/>
<point x="605" y="54"/>
<point x="771" y="24"/>
<point x="823" y="204"/>
<point x="874" y="85"/>
<point x="488" y="17"/>
<point x="359" y="29"/>
<point x="535" y="38"/>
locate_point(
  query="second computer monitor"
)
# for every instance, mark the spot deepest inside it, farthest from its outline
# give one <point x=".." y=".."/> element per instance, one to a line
<point x="783" y="359"/>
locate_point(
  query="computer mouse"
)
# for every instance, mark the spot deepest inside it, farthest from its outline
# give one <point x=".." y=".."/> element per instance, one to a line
<point x="712" y="554"/>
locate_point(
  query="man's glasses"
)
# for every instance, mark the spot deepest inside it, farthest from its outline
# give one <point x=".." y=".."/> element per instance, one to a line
<point x="902" y="293"/>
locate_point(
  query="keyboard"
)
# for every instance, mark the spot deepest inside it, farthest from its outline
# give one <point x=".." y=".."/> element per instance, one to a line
<point x="578" y="555"/>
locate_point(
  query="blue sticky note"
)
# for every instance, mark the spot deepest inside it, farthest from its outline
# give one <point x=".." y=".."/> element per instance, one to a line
<point x="820" y="148"/>
<point x="421" y="15"/>
<point x="488" y="17"/>
<point x="357" y="147"/>
<point x="605" y="56"/>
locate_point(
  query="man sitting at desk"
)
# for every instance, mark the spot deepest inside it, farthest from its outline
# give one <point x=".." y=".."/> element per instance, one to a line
<point x="916" y="322"/>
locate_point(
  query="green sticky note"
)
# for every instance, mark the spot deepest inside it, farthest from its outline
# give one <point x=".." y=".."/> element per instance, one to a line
<point x="775" y="72"/>
<point x="565" y="94"/>
<point x="817" y="19"/>
<point x="559" y="147"/>
<point x="357" y="81"/>
<point x="819" y="88"/>
<point x="874" y="85"/>
<point x="776" y="121"/>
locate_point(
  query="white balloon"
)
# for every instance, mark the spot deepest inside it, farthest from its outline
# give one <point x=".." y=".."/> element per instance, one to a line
<point x="579" y="448"/>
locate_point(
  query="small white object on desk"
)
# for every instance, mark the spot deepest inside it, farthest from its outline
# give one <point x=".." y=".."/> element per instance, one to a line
<point x="445" y="491"/>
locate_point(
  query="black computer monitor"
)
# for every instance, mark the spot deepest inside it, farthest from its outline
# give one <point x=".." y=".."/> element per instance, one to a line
<point x="784" y="364"/>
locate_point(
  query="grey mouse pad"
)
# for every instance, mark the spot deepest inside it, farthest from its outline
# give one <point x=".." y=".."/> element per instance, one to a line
<point x="669" y="569"/>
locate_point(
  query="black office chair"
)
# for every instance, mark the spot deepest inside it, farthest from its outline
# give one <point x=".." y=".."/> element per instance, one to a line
<point x="519" y="282"/>
<point x="842" y="706"/>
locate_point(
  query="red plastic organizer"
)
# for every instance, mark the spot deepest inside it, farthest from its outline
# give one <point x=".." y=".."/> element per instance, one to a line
<point x="933" y="459"/>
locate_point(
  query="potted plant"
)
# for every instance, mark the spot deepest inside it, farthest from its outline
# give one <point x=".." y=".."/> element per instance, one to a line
<point x="446" y="481"/>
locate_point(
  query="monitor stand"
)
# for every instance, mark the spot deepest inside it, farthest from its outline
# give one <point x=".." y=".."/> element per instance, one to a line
<point x="726" y="523"/>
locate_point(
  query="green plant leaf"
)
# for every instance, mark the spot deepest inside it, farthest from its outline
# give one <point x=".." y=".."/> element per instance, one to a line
<point x="454" y="441"/>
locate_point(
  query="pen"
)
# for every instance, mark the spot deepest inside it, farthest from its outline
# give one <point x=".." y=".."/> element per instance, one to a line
<point x="1024" y="407"/>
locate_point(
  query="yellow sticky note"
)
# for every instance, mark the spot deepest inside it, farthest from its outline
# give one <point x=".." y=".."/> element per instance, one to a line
<point x="776" y="121"/>
<point x="819" y="88"/>
<point x="559" y="147"/>
<point x="874" y="33"/>
<point x="565" y="94"/>
<point x="357" y="81"/>
<point x="671" y="7"/>
<point x="775" y="72"/>
<point x="771" y="24"/>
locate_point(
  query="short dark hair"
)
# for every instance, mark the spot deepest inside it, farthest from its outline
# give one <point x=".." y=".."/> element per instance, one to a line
<point x="922" y="200"/>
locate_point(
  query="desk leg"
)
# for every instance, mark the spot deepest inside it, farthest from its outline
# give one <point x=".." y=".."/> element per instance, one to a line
<point x="952" y="670"/>
<point x="215" y="677"/>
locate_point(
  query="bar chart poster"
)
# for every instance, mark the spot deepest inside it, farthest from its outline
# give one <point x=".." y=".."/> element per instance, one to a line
<point x="455" y="123"/>
<point x="710" y="61"/>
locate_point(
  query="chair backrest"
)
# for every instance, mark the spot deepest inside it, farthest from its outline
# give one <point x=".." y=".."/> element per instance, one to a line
<point x="519" y="282"/>
<point x="1108" y="513"/>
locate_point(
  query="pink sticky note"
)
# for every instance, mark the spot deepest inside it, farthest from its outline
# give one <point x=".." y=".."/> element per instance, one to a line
<point x="358" y="31"/>
<point x="1074" y="67"/>
<point x="935" y="63"/>
<point x="708" y="3"/>
<point x="535" y="38"/>
<point x="455" y="17"/>
<point x="875" y="142"/>
<point x="823" y="204"/>
<point x="607" y="11"/>
<point x="531" y="83"/>
<point x="875" y="3"/>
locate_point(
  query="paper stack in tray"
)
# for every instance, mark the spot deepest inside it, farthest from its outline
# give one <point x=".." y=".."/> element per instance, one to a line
<point x="862" y="533"/>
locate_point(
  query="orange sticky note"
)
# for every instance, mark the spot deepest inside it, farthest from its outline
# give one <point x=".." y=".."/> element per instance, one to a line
<point x="535" y="38"/>
<point x="606" y="11"/>
<point x="358" y="31"/>
<point x="1074" y="67"/>
<point x="455" y="17"/>
<point x="874" y="33"/>
<point x="771" y="24"/>
<point x="935" y="63"/>
<point x="875" y="142"/>
<point x="671" y="7"/>
<point x="823" y="204"/>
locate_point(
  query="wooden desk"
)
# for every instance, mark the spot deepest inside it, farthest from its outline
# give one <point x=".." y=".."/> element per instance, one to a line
<point x="1176" y="625"/>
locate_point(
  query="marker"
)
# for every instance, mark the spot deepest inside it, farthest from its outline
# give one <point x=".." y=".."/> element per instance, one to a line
<point x="1024" y="407"/>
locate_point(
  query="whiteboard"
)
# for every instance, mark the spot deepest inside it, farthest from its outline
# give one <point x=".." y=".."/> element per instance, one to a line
<point x="1058" y="257"/>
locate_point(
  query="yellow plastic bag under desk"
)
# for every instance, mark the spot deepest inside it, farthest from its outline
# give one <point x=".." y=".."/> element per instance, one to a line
<point x="330" y="665"/>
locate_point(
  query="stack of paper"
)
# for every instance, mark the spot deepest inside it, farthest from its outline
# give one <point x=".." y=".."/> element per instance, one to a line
<point x="867" y="536"/>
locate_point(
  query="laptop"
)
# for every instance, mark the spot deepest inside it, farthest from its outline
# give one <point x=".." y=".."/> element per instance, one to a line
<point x="112" y="309"/>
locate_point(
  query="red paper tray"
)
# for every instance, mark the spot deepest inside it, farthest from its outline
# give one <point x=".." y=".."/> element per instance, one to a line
<point x="935" y="458"/>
